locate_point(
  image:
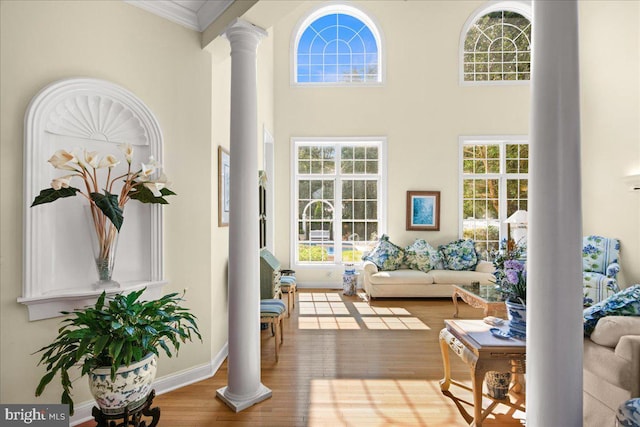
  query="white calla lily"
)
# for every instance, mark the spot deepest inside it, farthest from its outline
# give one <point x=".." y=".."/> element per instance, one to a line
<point x="146" y="171"/>
<point x="128" y="152"/>
<point x="155" y="187"/>
<point x="61" y="160"/>
<point x="91" y="158"/>
<point x="108" y="161"/>
<point x="61" y="182"/>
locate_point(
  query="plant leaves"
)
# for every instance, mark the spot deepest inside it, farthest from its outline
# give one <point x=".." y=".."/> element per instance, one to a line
<point x="108" y="204"/>
<point x="49" y="195"/>
<point x="144" y="195"/>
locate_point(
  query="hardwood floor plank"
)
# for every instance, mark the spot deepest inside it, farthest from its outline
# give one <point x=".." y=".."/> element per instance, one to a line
<point x="345" y="368"/>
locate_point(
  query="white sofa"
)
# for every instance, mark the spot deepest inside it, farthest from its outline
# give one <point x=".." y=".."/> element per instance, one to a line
<point x="406" y="283"/>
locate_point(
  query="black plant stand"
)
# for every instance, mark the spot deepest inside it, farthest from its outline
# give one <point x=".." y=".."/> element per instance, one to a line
<point x="129" y="418"/>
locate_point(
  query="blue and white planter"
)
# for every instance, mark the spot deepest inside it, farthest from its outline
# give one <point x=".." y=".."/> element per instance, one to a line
<point x="517" y="314"/>
<point x="130" y="388"/>
<point x="628" y="414"/>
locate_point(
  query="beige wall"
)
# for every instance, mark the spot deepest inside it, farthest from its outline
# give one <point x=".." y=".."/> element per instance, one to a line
<point x="610" y="89"/>
<point x="164" y="65"/>
<point x="421" y="109"/>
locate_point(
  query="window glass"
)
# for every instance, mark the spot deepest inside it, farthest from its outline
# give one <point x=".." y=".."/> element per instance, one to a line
<point x="494" y="185"/>
<point x="339" y="206"/>
<point x="337" y="47"/>
<point x="497" y="47"/>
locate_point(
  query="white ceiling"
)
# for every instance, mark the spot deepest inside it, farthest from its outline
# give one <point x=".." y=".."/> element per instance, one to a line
<point x="193" y="14"/>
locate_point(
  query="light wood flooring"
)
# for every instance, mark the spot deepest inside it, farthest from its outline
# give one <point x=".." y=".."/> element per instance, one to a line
<point x="345" y="363"/>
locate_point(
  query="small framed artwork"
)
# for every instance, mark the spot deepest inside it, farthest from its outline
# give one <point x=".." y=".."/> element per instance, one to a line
<point x="223" y="186"/>
<point x="423" y="210"/>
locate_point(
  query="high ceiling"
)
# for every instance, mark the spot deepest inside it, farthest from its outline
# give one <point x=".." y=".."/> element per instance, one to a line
<point x="193" y="14"/>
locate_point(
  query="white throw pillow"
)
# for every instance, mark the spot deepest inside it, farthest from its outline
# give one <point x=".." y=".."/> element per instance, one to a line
<point x="610" y="329"/>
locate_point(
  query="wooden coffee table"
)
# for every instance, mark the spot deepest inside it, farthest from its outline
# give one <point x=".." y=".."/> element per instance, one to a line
<point x="486" y="297"/>
<point x="472" y="341"/>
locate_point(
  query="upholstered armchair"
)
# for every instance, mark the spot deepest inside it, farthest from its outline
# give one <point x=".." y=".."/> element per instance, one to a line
<point x="611" y="368"/>
<point x="600" y="268"/>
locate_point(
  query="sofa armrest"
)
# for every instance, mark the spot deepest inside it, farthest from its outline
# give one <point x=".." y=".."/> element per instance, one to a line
<point x="369" y="268"/>
<point x="485" y="267"/>
<point x="628" y="348"/>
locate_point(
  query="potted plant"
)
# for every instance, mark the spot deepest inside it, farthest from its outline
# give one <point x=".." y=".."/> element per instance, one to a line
<point x="116" y="343"/>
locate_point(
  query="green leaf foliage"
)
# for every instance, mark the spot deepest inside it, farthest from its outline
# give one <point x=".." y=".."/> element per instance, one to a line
<point x="117" y="331"/>
<point x="144" y="195"/>
<point x="49" y="195"/>
<point x="108" y="204"/>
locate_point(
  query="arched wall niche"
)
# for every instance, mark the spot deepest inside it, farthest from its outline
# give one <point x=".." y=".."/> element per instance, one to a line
<point x="81" y="114"/>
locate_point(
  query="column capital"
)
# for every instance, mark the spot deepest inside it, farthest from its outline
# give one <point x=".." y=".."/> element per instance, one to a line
<point x="239" y="27"/>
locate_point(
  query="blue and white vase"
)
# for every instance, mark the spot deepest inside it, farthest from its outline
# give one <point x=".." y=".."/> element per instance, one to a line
<point x="517" y="315"/>
<point x="130" y="388"/>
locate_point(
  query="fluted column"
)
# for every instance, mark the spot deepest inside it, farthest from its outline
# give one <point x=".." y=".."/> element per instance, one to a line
<point x="244" y="387"/>
<point x="554" y="291"/>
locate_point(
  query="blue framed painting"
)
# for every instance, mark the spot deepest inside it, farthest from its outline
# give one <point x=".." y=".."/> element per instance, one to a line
<point x="423" y="210"/>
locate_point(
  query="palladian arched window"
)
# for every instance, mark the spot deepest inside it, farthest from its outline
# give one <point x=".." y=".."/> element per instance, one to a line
<point x="337" y="44"/>
<point x="496" y="45"/>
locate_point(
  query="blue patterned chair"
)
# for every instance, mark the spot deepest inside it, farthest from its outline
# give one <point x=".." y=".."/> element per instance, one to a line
<point x="600" y="268"/>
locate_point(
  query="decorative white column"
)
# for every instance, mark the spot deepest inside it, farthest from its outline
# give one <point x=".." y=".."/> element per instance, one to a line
<point x="554" y="292"/>
<point x="244" y="387"/>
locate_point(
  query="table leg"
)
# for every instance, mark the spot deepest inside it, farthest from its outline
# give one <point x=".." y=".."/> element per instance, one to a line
<point x="477" y="379"/>
<point x="516" y="371"/>
<point x="455" y="302"/>
<point x="444" y="349"/>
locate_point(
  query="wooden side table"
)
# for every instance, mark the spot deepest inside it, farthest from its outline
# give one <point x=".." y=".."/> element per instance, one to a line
<point x="486" y="297"/>
<point x="478" y="348"/>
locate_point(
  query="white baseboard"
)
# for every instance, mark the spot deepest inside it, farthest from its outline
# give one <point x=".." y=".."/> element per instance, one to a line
<point x="164" y="384"/>
<point x="321" y="285"/>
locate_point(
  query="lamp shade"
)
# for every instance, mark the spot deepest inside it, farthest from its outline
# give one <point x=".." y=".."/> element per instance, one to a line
<point x="518" y="217"/>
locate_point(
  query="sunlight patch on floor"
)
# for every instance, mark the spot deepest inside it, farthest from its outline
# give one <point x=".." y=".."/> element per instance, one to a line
<point x="319" y="296"/>
<point x="378" y="402"/>
<point x="327" y="323"/>
<point x="322" y="307"/>
<point x="325" y="310"/>
<point x="365" y="309"/>
<point x="394" y="323"/>
<point x="397" y="402"/>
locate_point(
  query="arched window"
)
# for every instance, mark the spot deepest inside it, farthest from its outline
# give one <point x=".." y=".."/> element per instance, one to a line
<point x="496" y="44"/>
<point x="337" y="44"/>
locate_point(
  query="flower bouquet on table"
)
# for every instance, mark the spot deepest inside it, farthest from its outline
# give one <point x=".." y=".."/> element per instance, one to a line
<point x="106" y="192"/>
<point x="511" y="280"/>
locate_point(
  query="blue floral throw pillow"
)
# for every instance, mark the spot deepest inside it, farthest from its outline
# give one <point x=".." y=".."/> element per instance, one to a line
<point x="623" y="303"/>
<point x="421" y="256"/>
<point x="459" y="255"/>
<point x="386" y="256"/>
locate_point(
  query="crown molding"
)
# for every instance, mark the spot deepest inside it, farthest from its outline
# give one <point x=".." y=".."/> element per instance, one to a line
<point x="183" y="13"/>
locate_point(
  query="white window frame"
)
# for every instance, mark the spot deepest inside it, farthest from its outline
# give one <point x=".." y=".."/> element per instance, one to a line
<point x="382" y="194"/>
<point x="503" y="141"/>
<point x="523" y="7"/>
<point x="321" y="11"/>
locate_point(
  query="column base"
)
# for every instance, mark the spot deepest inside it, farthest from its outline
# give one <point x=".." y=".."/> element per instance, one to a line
<point x="240" y="404"/>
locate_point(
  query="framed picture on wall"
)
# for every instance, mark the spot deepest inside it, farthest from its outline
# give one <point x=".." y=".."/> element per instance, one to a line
<point x="223" y="187"/>
<point x="423" y="210"/>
